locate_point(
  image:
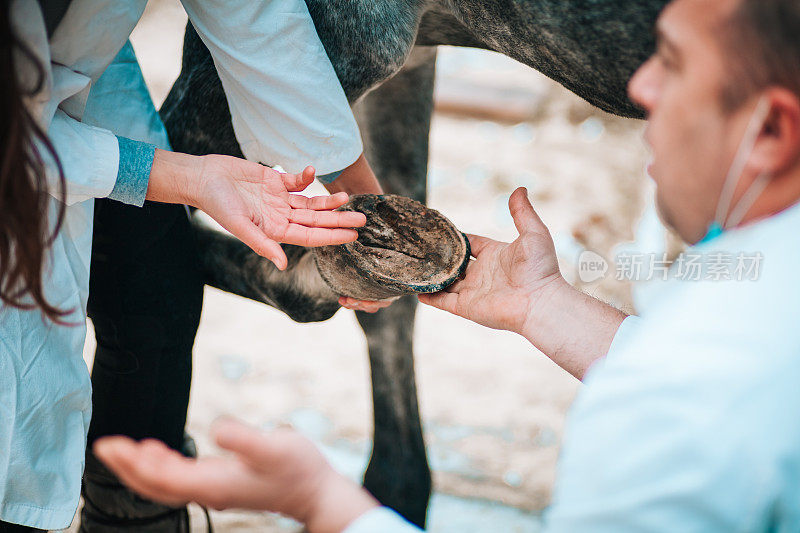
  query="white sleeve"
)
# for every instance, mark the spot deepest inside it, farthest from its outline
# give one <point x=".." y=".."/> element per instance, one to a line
<point x="671" y="435"/>
<point x="624" y="334"/>
<point x="89" y="157"/>
<point x="287" y="105"/>
<point x="381" y="520"/>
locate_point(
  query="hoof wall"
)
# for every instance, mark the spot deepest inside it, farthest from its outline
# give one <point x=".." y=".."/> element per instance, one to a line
<point x="405" y="248"/>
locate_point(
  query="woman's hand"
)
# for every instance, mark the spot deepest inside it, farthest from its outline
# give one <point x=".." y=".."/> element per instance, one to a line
<point x="367" y="306"/>
<point x="253" y="202"/>
<point x="505" y="281"/>
<point x="279" y="471"/>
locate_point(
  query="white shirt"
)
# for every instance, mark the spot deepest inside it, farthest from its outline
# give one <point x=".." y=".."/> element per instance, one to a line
<point x="288" y="108"/>
<point x="692" y="421"/>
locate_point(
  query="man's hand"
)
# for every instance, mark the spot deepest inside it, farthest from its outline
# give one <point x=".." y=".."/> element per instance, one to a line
<point x="505" y="281"/>
<point x="518" y="287"/>
<point x="253" y="202"/>
<point x="279" y="471"/>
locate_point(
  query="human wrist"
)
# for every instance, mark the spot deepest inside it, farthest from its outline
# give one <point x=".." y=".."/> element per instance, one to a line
<point x="133" y="172"/>
<point x="573" y="329"/>
<point x="542" y="303"/>
<point x="338" y="503"/>
<point x="358" y="178"/>
<point x="175" y="178"/>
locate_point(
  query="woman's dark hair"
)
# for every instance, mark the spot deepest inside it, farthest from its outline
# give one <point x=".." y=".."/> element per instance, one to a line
<point x="24" y="197"/>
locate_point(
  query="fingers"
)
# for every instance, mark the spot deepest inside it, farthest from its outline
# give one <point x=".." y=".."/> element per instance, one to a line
<point x="148" y="467"/>
<point x="446" y="301"/>
<point x="525" y="218"/>
<point x="478" y="244"/>
<point x="243" y="440"/>
<point x="318" y="203"/>
<point x="305" y="236"/>
<point x="456" y="286"/>
<point x="252" y="236"/>
<point x="298" y="182"/>
<point x="366" y="306"/>
<point x="262" y="451"/>
<point x="327" y="219"/>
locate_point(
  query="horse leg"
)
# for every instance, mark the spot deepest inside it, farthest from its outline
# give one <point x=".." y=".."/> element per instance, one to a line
<point x="395" y="122"/>
<point x="198" y="122"/>
<point x="395" y="125"/>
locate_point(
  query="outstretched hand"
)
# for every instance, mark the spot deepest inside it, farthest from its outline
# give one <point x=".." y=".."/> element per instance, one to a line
<point x="255" y="203"/>
<point x="279" y="471"/>
<point x="504" y="281"/>
<point x="518" y="287"/>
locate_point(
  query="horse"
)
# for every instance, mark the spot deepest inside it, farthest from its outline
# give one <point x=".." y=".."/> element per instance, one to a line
<point x="384" y="54"/>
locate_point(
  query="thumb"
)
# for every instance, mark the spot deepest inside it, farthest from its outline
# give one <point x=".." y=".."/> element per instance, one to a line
<point x="260" y="450"/>
<point x="250" y="234"/>
<point x="298" y="182"/>
<point x="525" y="218"/>
<point x="244" y="440"/>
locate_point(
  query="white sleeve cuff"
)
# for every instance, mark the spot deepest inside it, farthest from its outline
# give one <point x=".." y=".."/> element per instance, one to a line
<point x="629" y="327"/>
<point x="89" y="157"/>
<point x="381" y="520"/>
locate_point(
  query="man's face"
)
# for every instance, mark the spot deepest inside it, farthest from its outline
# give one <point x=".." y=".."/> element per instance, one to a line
<point x="692" y="139"/>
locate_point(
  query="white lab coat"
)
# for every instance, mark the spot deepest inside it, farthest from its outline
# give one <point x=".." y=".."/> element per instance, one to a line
<point x="692" y="421"/>
<point x="288" y="108"/>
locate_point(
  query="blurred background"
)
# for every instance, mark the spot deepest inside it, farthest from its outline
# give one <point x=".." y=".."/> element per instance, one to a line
<point x="493" y="407"/>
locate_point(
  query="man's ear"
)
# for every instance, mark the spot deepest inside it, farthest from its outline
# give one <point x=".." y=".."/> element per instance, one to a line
<point x="778" y="146"/>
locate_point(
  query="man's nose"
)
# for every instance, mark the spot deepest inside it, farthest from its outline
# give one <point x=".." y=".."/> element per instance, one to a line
<point x="643" y="86"/>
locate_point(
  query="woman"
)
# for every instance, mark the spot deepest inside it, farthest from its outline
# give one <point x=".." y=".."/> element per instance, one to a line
<point x="48" y="182"/>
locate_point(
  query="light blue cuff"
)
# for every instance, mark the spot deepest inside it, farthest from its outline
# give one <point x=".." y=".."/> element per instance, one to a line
<point x="133" y="175"/>
<point x="329" y="178"/>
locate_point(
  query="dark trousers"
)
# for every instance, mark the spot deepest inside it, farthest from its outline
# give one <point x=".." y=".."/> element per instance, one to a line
<point x="145" y="298"/>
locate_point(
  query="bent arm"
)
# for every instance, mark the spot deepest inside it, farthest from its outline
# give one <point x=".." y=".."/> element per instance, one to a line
<point x="96" y="163"/>
<point x="287" y="105"/>
<point x="659" y="436"/>
<point x="89" y="158"/>
<point x="358" y="178"/>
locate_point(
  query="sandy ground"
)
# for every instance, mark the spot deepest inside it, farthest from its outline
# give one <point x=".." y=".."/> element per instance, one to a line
<point x="493" y="407"/>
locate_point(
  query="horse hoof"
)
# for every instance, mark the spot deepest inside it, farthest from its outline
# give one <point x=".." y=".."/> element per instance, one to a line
<point x="405" y="248"/>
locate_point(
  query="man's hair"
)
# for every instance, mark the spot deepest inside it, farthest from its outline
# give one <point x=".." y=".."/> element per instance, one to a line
<point x="762" y="40"/>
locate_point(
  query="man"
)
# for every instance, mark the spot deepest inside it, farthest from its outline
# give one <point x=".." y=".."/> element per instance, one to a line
<point x="692" y="420"/>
